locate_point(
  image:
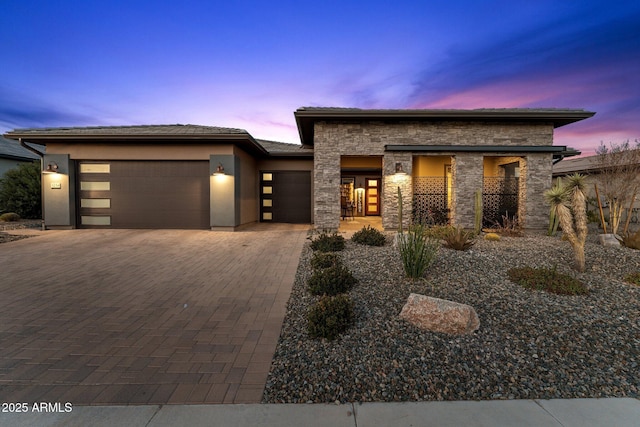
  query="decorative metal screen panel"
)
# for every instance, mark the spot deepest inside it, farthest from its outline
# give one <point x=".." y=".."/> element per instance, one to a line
<point x="430" y="200"/>
<point x="499" y="198"/>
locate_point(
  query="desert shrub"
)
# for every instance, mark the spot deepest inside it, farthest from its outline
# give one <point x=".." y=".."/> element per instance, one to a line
<point x="436" y="231"/>
<point x="330" y="316"/>
<point x="547" y="280"/>
<point x="633" y="278"/>
<point x="325" y="260"/>
<point x="326" y="242"/>
<point x="509" y="226"/>
<point x="417" y="251"/>
<point x="10" y="217"/>
<point x="20" y="191"/>
<point x="331" y="281"/>
<point x="369" y="236"/>
<point x="631" y="240"/>
<point x="493" y="237"/>
<point x="459" y="239"/>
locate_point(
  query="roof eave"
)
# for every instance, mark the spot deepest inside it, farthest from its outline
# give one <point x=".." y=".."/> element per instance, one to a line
<point x="43" y="138"/>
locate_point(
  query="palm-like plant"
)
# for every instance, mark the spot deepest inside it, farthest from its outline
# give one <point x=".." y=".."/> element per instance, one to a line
<point x="569" y="205"/>
<point x="555" y="197"/>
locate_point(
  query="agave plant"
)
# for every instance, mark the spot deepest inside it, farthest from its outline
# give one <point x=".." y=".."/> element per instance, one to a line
<point x="630" y="240"/>
<point x="459" y="239"/>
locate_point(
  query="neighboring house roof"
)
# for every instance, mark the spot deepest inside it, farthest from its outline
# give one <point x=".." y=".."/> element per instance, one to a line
<point x="10" y="149"/>
<point x="142" y="133"/>
<point x="581" y="165"/>
<point x="588" y="164"/>
<point x="306" y="117"/>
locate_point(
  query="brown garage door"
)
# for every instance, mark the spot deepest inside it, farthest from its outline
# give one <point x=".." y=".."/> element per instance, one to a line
<point x="144" y="194"/>
<point x="285" y="196"/>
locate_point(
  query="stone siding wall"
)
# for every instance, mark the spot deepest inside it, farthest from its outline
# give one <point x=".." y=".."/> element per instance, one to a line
<point x="335" y="139"/>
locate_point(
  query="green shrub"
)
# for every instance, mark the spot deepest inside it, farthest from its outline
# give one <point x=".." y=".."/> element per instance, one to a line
<point x="630" y="240"/>
<point x="369" y="236"/>
<point x="492" y="237"/>
<point x="633" y="278"/>
<point x="459" y="239"/>
<point x="326" y="242"/>
<point x="331" y="281"/>
<point x="330" y="316"/>
<point x="20" y="191"/>
<point x="547" y="280"/>
<point x="417" y="251"/>
<point x="10" y="217"/>
<point x="325" y="260"/>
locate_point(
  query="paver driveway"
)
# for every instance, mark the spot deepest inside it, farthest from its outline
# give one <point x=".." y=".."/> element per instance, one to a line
<point x="143" y="316"/>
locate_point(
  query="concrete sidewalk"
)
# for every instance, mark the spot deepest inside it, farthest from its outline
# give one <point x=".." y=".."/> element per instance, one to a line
<point x="561" y="412"/>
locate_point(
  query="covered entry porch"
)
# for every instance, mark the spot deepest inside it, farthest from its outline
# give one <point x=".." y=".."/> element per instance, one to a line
<point x="437" y="182"/>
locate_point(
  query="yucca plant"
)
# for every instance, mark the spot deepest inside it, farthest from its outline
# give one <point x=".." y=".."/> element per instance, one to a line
<point x="570" y="206"/>
<point x="556" y="194"/>
<point x="417" y="251"/>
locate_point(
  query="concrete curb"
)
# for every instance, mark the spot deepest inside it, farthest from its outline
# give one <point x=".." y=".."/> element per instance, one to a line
<point x="618" y="412"/>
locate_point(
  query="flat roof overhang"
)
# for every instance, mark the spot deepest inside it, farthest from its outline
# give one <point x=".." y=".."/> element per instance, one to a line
<point x="306" y="117"/>
<point x="558" y="151"/>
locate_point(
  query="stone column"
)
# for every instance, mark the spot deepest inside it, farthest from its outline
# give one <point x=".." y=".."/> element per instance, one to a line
<point x="467" y="171"/>
<point x="391" y="183"/>
<point x="535" y="179"/>
<point x="326" y="182"/>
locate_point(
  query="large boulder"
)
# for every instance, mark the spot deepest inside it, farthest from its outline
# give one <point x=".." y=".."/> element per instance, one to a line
<point x="439" y="315"/>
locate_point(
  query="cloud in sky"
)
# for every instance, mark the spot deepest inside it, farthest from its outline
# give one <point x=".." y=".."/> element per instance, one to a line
<point x="251" y="64"/>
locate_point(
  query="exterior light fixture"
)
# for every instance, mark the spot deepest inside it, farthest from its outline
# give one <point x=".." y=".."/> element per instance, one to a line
<point x="399" y="170"/>
<point x="52" y="167"/>
<point x="219" y="170"/>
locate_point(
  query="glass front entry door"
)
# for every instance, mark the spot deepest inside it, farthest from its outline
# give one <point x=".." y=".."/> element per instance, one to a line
<point x="372" y="196"/>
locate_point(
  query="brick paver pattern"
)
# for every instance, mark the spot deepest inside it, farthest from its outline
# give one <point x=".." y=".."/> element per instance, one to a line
<point x="143" y="316"/>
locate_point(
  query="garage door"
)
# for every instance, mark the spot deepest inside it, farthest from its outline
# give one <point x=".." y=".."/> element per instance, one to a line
<point x="285" y="196"/>
<point x="144" y="194"/>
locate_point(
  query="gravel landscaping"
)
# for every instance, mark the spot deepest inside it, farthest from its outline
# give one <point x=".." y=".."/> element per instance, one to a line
<point x="530" y="344"/>
<point x="6" y="237"/>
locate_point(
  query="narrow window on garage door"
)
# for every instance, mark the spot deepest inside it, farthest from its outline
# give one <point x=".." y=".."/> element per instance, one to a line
<point x="285" y="196"/>
<point x="266" y="196"/>
<point x="94" y="194"/>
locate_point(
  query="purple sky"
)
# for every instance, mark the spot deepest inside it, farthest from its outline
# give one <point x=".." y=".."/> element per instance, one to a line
<point x="250" y="64"/>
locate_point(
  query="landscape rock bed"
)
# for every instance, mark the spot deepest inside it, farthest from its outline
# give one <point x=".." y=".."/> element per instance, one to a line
<point x="530" y="344"/>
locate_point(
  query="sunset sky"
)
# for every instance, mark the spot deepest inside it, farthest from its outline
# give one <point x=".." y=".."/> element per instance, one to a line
<point x="250" y="64"/>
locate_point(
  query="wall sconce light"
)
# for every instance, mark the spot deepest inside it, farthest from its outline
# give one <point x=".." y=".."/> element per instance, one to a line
<point x="52" y="167"/>
<point x="219" y="170"/>
<point x="399" y="170"/>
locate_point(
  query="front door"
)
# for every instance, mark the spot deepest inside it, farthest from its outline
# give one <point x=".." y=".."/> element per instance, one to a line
<point x="372" y="196"/>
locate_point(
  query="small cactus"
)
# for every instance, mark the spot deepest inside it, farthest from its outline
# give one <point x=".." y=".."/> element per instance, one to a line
<point x="478" y="211"/>
<point x="492" y="237"/>
<point x="399" y="210"/>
